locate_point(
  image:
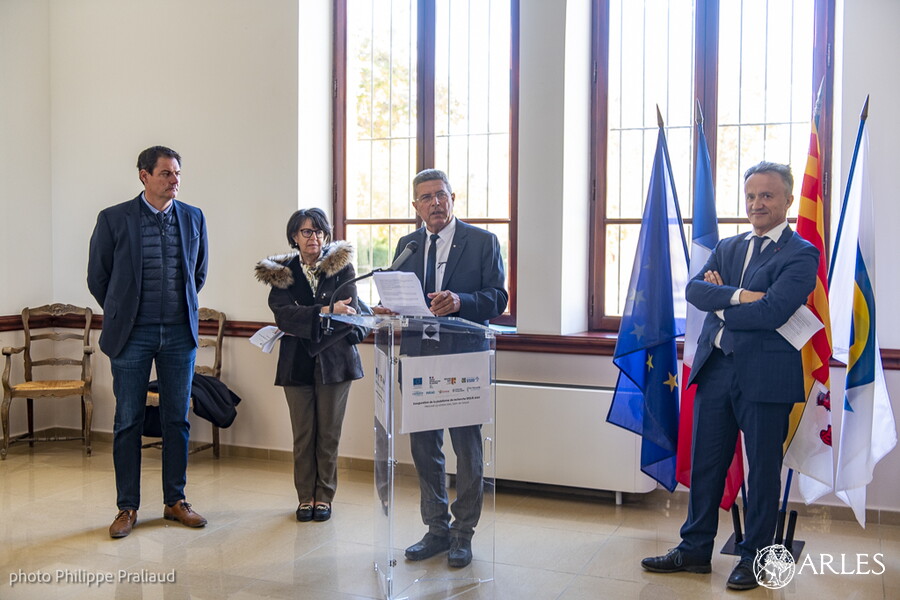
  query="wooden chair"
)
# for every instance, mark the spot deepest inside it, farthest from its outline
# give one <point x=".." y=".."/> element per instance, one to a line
<point x="33" y="388"/>
<point x="213" y="370"/>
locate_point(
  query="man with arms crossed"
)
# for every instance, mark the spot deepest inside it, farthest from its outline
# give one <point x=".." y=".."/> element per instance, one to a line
<point x="147" y="262"/>
<point x="748" y="376"/>
<point x="462" y="276"/>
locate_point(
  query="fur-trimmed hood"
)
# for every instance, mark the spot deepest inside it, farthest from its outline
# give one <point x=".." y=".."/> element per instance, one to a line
<point x="274" y="270"/>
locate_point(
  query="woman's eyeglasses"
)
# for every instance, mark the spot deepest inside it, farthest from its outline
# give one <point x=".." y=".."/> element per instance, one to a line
<point x="308" y="233"/>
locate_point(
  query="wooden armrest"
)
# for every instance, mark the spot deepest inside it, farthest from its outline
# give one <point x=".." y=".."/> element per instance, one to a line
<point x="8" y="352"/>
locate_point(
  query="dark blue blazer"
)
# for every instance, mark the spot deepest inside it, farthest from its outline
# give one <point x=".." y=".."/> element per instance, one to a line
<point x="768" y="368"/>
<point x="114" y="267"/>
<point x="474" y="270"/>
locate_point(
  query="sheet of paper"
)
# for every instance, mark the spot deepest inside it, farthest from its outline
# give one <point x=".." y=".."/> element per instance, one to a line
<point x="401" y="292"/>
<point x="802" y="325"/>
<point x="266" y="337"/>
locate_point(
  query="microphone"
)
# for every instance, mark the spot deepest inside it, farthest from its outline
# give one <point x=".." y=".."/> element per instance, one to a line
<point x="401" y="258"/>
<point x="407" y="252"/>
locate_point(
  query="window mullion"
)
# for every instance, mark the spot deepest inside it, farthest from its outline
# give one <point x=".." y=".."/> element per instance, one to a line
<point x="425" y="74"/>
<point x="706" y="51"/>
<point x="339" y="120"/>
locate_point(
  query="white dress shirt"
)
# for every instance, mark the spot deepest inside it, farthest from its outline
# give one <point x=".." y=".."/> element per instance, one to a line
<point x="773" y="235"/>
<point x="444" y="242"/>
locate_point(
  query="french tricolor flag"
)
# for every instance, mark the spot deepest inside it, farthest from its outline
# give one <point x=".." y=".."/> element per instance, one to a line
<point x="705" y="236"/>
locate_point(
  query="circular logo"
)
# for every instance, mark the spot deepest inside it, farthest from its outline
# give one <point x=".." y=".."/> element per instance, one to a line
<point x="774" y="566"/>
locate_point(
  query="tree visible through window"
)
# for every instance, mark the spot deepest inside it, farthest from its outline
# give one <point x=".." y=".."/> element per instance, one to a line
<point x="421" y="84"/>
<point x="753" y="66"/>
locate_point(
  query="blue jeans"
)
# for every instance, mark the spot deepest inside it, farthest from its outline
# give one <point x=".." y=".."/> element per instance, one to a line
<point x="429" y="460"/>
<point x="174" y="350"/>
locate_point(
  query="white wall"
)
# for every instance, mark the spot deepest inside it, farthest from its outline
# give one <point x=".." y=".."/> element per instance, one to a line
<point x="554" y="110"/>
<point x="96" y="81"/>
<point x="868" y="50"/>
<point x="870" y="59"/>
<point x="540" y="164"/>
<point x="26" y="268"/>
<point x="574" y="267"/>
<point x="90" y="84"/>
<point x="185" y="75"/>
<point x="314" y="103"/>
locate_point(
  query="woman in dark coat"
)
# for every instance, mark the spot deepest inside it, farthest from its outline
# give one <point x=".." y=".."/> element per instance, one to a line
<point x="315" y="369"/>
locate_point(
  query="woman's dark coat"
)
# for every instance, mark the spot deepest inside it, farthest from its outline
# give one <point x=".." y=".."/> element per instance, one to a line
<point x="305" y="346"/>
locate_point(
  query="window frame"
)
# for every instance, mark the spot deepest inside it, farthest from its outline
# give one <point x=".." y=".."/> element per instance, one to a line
<point x="425" y="130"/>
<point x="706" y="30"/>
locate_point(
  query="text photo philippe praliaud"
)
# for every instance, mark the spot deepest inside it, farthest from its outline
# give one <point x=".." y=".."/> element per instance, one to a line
<point x="89" y="578"/>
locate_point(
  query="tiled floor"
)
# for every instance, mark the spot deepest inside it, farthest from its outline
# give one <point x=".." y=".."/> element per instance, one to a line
<point x="56" y="505"/>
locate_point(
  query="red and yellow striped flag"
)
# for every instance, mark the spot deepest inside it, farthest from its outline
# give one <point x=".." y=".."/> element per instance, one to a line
<point x="808" y="448"/>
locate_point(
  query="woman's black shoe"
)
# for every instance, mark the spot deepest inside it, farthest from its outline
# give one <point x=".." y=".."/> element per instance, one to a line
<point x="305" y="512"/>
<point x="322" y="512"/>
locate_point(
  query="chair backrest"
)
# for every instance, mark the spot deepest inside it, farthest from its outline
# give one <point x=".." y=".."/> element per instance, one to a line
<point x="57" y="310"/>
<point x="214" y="370"/>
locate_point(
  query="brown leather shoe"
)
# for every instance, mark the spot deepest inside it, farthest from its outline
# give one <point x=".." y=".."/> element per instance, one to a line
<point x="182" y="512"/>
<point x="123" y="523"/>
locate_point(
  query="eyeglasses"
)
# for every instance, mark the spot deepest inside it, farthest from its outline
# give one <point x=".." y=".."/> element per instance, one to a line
<point x="441" y="196"/>
<point x="308" y="233"/>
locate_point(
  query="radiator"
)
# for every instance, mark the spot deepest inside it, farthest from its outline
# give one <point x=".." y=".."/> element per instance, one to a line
<point x="558" y="435"/>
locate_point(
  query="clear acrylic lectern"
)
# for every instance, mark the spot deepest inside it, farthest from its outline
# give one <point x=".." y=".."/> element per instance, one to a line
<point x="429" y="374"/>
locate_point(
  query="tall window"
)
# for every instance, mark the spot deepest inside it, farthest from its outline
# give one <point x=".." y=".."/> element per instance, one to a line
<point x="422" y="84"/>
<point x="752" y="67"/>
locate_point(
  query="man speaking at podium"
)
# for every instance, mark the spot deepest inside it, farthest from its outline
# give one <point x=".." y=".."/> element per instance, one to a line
<point x="462" y="275"/>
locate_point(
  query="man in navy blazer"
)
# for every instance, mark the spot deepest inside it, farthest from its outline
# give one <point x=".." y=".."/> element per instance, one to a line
<point x="147" y="262"/>
<point x="462" y="275"/>
<point x="748" y="376"/>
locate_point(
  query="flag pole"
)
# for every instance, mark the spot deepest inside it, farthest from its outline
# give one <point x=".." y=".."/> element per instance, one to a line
<point x="837" y="238"/>
<point x="787" y="491"/>
<point x="684" y="245"/>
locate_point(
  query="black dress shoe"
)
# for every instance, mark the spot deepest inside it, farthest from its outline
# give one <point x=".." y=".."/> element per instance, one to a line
<point x="427" y="547"/>
<point x="460" y="554"/>
<point x="305" y="512"/>
<point x="675" y="561"/>
<point x="322" y="512"/>
<point x="743" y="577"/>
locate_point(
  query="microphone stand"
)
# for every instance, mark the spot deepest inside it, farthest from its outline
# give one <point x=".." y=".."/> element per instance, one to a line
<point x="411" y="247"/>
<point x="328" y="329"/>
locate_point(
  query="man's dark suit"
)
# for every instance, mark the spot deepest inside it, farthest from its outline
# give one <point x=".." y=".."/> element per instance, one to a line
<point x="474" y="272"/>
<point x="114" y="267"/>
<point x="752" y="389"/>
<point x="117" y="280"/>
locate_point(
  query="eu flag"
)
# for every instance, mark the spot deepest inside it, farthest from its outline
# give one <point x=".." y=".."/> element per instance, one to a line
<point x="646" y="397"/>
